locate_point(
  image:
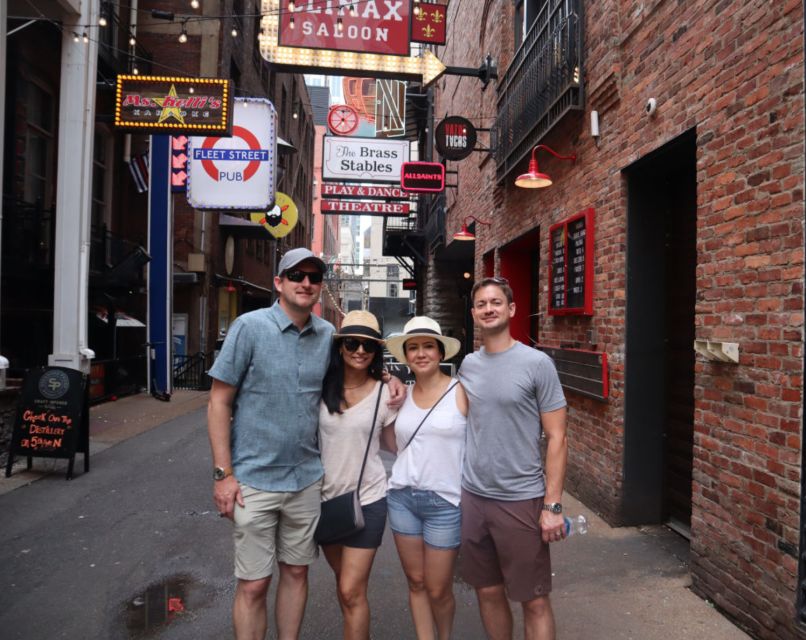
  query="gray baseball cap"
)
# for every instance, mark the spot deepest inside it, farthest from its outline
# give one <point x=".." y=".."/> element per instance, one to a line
<point x="293" y="257"/>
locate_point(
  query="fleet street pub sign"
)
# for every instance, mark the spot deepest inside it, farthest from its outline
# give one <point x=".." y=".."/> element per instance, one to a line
<point x="160" y="104"/>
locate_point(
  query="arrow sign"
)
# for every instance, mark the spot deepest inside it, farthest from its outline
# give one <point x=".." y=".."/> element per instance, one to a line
<point x="428" y="66"/>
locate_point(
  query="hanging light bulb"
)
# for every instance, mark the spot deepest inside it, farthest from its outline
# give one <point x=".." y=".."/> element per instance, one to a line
<point x="292" y="6"/>
<point x="102" y="21"/>
<point x="194" y="4"/>
<point x="416" y="7"/>
<point x="135" y="71"/>
<point x="75" y="37"/>
<point x="353" y="11"/>
<point x="132" y="41"/>
<point x="291" y="22"/>
<point x="191" y="90"/>
<point x="85" y="37"/>
<point x="183" y="37"/>
<point x="339" y="25"/>
<point x="234" y="32"/>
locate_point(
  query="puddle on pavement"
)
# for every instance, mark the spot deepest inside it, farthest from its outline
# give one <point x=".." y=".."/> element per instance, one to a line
<point x="159" y="605"/>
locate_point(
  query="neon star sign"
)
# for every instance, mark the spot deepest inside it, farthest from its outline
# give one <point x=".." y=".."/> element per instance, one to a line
<point x="426" y="67"/>
<point x="175" y="105"/>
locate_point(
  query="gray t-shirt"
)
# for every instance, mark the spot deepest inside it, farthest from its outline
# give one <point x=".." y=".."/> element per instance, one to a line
<point x="507" y="392"/>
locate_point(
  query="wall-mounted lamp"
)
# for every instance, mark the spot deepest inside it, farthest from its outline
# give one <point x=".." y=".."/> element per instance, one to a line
<point x="533" y="179"/>
<point x="464" y="233"/>
<point x="595" y="127"/>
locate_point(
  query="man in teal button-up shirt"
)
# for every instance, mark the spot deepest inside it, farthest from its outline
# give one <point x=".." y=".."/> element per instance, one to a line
<point x="262" y="420"/>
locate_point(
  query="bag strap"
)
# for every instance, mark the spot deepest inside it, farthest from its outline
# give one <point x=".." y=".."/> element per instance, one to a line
<point x="369" y="442"/>
<point x="434" y="406"/>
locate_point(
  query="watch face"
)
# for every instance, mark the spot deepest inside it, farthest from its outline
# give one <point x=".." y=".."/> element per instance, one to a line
<point x="219" y="473"/>
<point x="554" y="507"/>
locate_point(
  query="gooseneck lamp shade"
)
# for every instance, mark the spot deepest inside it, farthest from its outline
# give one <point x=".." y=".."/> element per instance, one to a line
<point x="464" y="234"/>
<point x="533" y="179"/>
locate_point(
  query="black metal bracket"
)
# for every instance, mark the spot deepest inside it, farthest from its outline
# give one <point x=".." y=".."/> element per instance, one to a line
<point x="486" y="72"/>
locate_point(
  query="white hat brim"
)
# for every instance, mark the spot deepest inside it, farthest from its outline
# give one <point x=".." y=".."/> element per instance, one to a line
<point x="395" y="344"/>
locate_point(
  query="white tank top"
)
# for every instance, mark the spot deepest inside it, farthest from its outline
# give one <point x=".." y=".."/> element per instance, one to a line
<point x="433" y="460"/>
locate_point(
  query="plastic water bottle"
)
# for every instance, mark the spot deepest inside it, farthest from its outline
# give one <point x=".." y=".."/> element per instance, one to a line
<point x="574" y="526"/>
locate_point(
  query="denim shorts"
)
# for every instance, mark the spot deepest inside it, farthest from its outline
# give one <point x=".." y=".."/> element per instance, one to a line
<point x="413" y="512"/>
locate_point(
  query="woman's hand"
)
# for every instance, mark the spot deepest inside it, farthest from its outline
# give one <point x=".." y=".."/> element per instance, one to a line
<point x="397" y="391"/>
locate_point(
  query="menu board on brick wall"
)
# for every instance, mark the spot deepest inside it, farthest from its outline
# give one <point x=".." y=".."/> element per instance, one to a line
<point x="571" y="265"/>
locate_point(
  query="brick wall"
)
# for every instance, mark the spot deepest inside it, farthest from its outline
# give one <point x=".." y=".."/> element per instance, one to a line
<point x="733" y="72"/>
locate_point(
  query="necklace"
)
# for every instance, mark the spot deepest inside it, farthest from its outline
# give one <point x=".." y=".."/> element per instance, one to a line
<point x="356" y="386"/>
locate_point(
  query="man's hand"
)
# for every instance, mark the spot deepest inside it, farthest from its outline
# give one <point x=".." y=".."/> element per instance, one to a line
<point x="397" y="390"/>
<point x="552" y="525"/>
<point x="226" y="493"/>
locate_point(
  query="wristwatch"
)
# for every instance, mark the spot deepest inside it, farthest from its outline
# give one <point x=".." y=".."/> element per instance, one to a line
<point x="554" y="507"/>
<point x="219" y="473"/>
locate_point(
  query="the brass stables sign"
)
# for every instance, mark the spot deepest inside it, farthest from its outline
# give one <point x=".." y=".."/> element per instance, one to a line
<point x="160" y="104"/>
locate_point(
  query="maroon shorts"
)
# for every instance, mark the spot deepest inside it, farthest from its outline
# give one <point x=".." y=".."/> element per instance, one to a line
<point x="501" y="544"/>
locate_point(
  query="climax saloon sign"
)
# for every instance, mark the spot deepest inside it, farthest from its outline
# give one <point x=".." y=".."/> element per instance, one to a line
<point x="378" y="26"/>
<point x="363" y="159"/>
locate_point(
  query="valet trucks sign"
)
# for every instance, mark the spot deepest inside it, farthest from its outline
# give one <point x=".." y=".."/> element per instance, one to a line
<point x="237" y="172"/>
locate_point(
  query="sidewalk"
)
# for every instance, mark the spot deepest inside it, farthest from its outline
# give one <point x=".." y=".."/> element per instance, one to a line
<point x="111" y="423"/>
<point x="628" y="583"/>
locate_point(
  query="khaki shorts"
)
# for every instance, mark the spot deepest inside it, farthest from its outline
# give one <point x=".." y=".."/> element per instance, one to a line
<point x="275" y="525"/>
<point x="502" y="544"/>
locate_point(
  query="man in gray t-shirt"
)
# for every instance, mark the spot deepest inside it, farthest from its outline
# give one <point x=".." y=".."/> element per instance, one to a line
<point x="510" y="496"/>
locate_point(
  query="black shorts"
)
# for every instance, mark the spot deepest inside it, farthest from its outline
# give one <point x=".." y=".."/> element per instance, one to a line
<point x="371" y="536"/>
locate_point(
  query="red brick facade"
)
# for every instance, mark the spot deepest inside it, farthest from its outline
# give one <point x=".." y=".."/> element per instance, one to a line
<point x="731" y="73"/>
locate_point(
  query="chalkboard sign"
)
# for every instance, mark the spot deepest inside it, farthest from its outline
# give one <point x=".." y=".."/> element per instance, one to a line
<point x="571" y="265"/>
<point x="52" y="417"/>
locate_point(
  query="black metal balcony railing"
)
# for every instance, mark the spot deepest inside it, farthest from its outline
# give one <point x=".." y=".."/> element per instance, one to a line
<point x="541" y="85"/>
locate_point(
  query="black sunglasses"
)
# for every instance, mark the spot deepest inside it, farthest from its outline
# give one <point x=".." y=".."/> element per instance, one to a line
<point x="298" y="275"/>
<point x="352" y="344"/>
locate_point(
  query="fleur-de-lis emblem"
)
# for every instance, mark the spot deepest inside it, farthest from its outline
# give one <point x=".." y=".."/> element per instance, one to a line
<point x="421" y="15"/>
<point x="436" y="17"/>
<point x="428" y="31"/>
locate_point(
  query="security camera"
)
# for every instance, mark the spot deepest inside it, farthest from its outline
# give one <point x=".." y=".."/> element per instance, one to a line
<point x="651" y="106"/>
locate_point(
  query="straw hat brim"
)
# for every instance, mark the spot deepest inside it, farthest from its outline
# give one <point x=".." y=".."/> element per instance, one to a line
<point x="358" y="335"/>
<point x="395" y="344"/>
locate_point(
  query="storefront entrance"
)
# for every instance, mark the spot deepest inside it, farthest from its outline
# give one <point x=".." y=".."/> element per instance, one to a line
<point x="661" y="291"/>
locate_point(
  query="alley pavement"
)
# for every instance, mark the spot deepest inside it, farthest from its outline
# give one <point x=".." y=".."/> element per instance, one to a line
<point x="91" y="557"/>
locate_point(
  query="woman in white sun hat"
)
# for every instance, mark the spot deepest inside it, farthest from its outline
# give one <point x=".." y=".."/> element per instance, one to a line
<point x="425" y="485"/>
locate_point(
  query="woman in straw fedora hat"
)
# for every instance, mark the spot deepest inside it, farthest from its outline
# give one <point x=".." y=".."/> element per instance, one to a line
<point x="349" y="399"/>
<point x="425" y="485"/>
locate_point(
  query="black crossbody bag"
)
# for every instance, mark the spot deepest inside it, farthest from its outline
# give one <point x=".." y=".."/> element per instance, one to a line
<point x="342" y="516"/>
